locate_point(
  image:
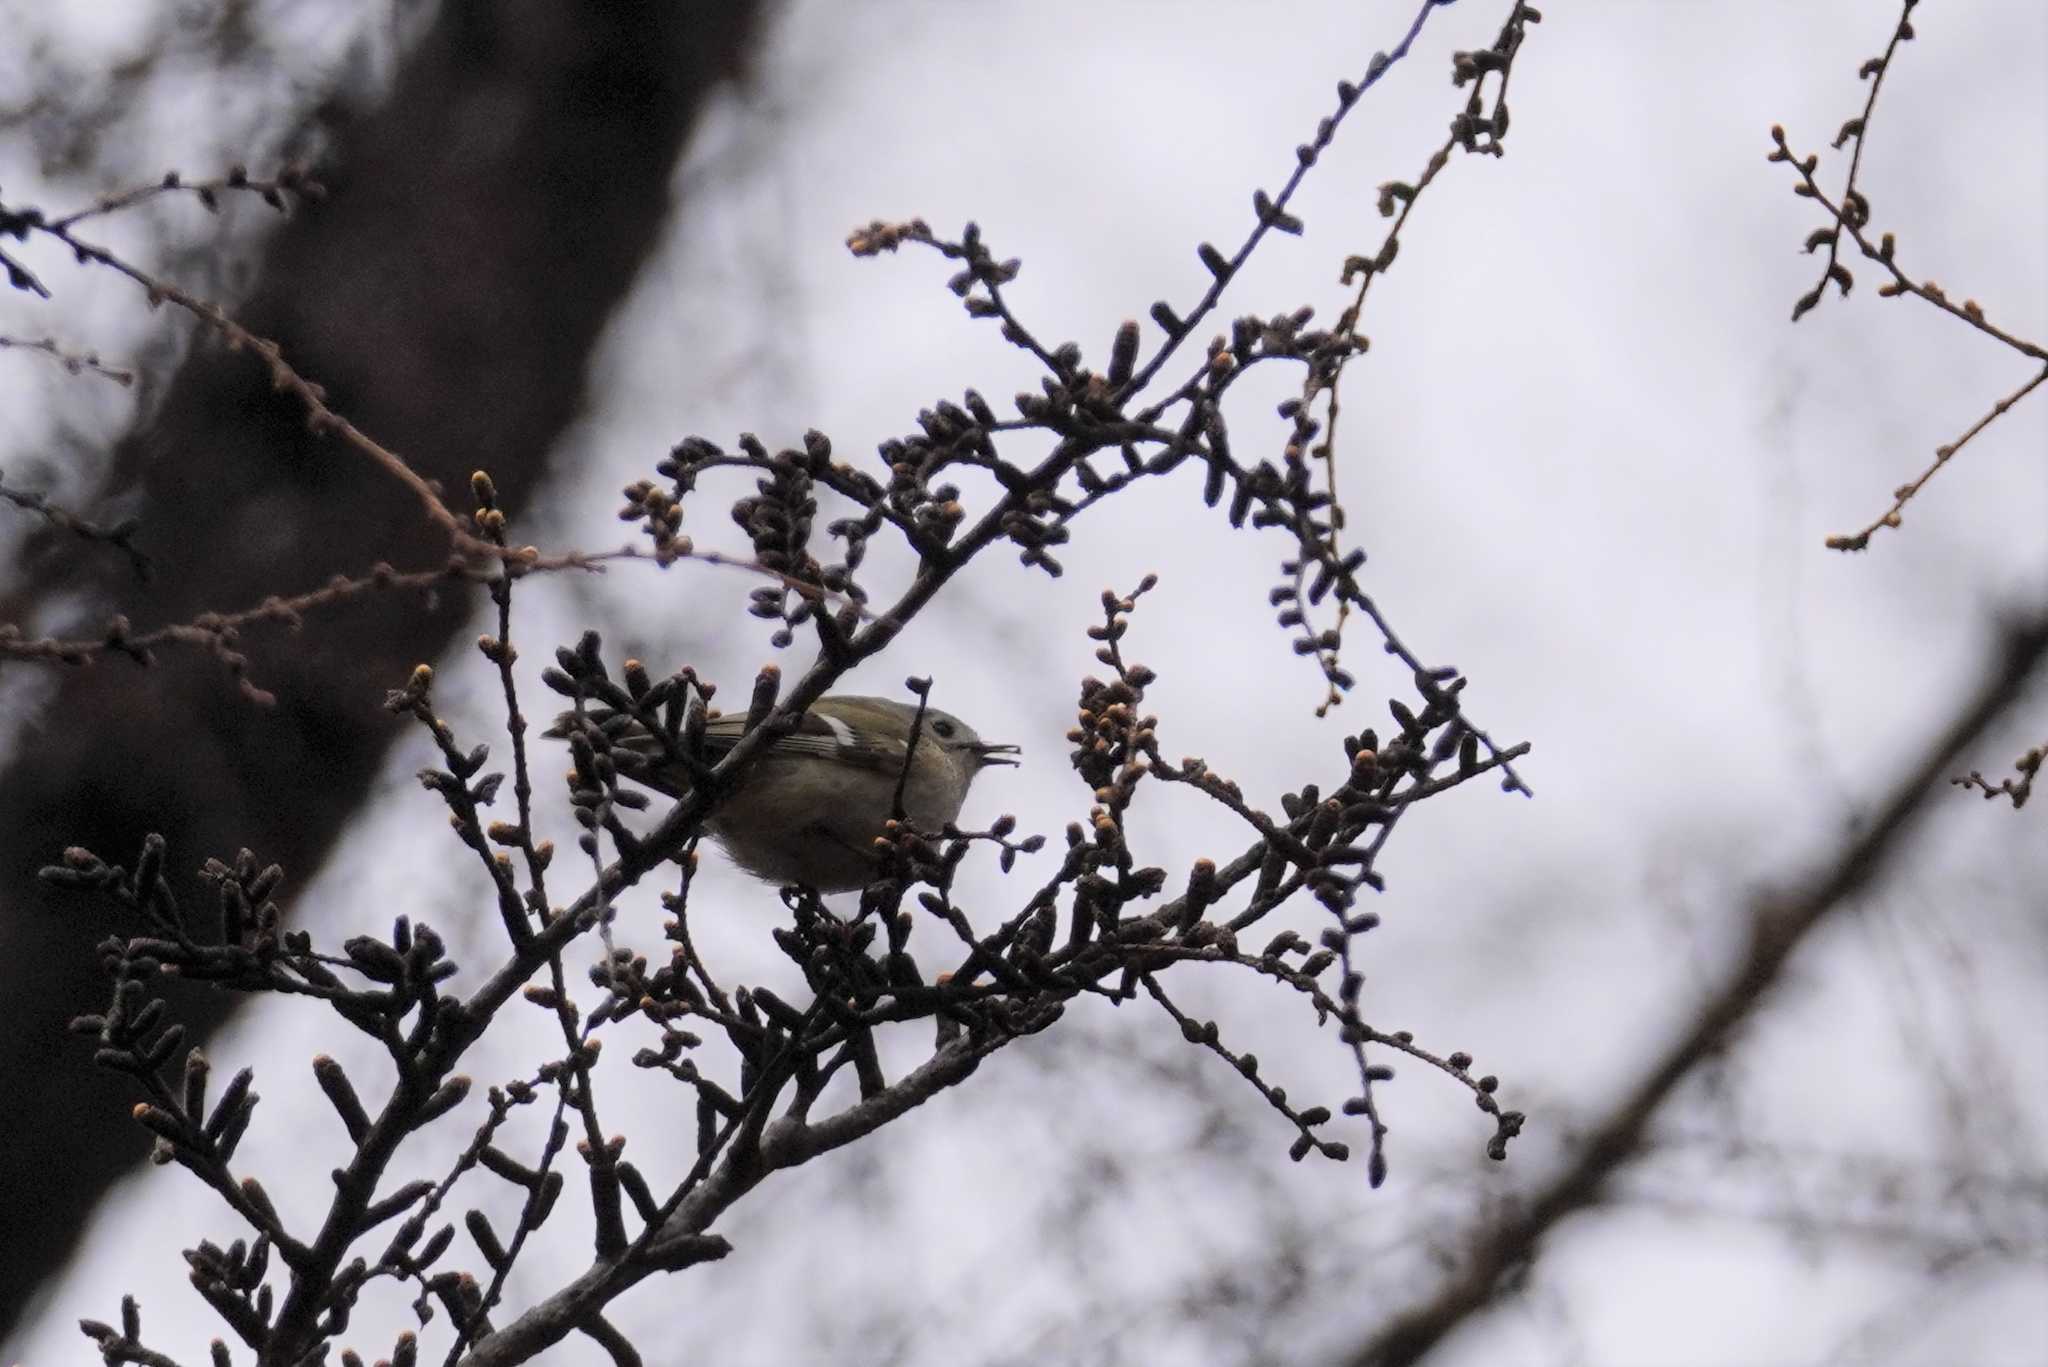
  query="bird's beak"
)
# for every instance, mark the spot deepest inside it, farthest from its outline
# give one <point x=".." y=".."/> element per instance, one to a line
<point x="996" y="754"/>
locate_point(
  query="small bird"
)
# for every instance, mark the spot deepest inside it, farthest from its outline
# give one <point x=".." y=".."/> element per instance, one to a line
<point x="809" y="810"/>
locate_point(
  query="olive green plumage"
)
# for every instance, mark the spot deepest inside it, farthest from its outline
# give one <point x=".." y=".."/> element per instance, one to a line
<point x="810" y="809"/>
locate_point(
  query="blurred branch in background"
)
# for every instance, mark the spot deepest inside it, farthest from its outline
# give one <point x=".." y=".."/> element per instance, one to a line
<point x="1778" y="923"/>
<point x="120" y="535"/>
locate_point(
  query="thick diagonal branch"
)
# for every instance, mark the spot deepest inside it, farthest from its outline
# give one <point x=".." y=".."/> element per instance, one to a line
<point x="1778" y="925"/>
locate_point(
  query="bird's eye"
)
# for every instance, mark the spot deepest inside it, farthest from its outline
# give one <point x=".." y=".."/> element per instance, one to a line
<point x="943" y="729"/>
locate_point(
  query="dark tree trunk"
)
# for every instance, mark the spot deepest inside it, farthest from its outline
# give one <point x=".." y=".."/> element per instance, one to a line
<point x="479" y="229"/>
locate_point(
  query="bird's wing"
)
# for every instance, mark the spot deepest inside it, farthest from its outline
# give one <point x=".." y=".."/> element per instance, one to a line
<point x="815" y="735"/>
<point x="640" y="754"/>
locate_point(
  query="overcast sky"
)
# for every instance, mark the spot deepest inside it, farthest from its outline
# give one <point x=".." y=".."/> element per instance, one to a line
<point x="1593" y="464"/>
